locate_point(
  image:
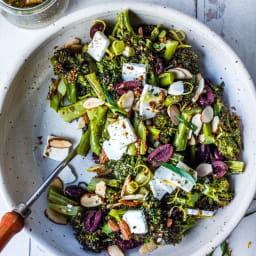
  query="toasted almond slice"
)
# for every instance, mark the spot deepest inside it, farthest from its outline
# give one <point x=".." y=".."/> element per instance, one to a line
<point x="91" y="200"/>
<point x="100" y="189"/>
<point x="125" y="229"/>
<point x="71" y="42"/>
<point x="196" y="120"/>
<point x="204" y="169"/>
<point x="187" y="73"/>
<point x="76" y="47"/>
<point x="173" y="111"/>
<point x="103" y="157"/>
<point x="58" y="142"/>
<point x="112" y="224"/>
<point x="114" y="250"/>
<point x="57" y="182"/>
<point x="192" y="141"/>
<point x="198" y="77"/>
<point x="178" y="74"/>
<point x="93" y="103"/>
<point x="128" y="203"/>
<point x="126" y="100"/>
<point x="201" y="138"/>
<point x="199" y="90"/>
<point x="55" y="217"/>
<point x="147" y="248"/>
<point x="176" y="88"/>
<point x="207" y="114"/>
<point x="110" y="206"/>
<point x="215" y="124"/>
<point x="133" y="197"/>
<point x="124" y="188"/>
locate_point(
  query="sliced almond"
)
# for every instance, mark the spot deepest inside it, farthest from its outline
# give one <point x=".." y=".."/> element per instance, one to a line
<point x="192" y="141"/>
<point x="126" y="182"/>
<point x="93" y="103"/>
<point x="100" y="170"/>
<point x="201" y="138"/>
<point x="126" y="100"/>
<point x="91" y="200"/>
<point x="110" y="206"/>
<point x="125" y="230"/>
<point x="59" y="143"/>
<point x="207" y="114"/>
<point x="173" y="111"/>
<point x="114" y="250"/>
<point x="176" y="88"/>
<point x="187" y="73"/>
<point x="133" y="197"/>
<point x="71" y="42"/>
<point x="112" y="224"/>
<point x="199" y="90"/>
<point x="215" y="124"/>
<point x="55" y="217"/>
<point x="197" y="121"/>
<point x="198" y="77"/>
<point x="76" y="47"/>
<point x="57" y="182"/>
<point x="204" y="169"/>
<point x="100" y="189"/>
<point x="178" y="74"/>
<point x="147" y="248"/>
<point x="103" y="157"/>
<point x="128" y="203"/>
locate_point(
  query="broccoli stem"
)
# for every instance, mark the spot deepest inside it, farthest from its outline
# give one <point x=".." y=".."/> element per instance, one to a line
<point x="208" y="136"/>
<point x="141" y="132"/>
<point x="181" y="135"/>
<point x="166" y="78"/>
<point x="170" y="49"/>
<point x="57" y="198"/>
<point x="92" y="79"/>
<point x="131" y="150"/>
<point x="66" y="210"/>
<point x="84" y="145"/>
<point x="110" y="182"/>
<point x="96" y="126"/>
<point x="152" y="79"/>
<point x="71" y="90"/>
<point x="154" y="134"/>
<point x="73" y="111"/>
<point x="55" y="101"/>
<point x="235" y="167"/>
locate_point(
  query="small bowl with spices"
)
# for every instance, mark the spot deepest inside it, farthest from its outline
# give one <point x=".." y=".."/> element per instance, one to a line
<point x="32" y="14"/>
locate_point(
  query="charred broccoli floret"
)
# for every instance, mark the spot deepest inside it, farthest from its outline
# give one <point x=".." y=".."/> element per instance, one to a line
<point x="219" y="191"/>
<point x="186" y="58"/>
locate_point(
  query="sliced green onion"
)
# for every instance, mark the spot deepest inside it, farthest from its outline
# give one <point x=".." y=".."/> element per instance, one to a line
<point x="118" y="47"/>
<point x="166" y="78"/>
<point x="189" y="125"/>
<point x="170" y="49"/>
<point x="177" y="170"/>
<point x="132" y="187"/>
<point x="144" y="176"/>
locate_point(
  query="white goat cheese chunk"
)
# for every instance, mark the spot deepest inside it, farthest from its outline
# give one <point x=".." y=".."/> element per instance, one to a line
<point x="122" y="132"/>
<point x="98" y="46"/>
<point x="113" y="149"/>
<point x="58" y="154"/>
<point x="136" y="221"/>
<point x="67" y="175"/>
<point x="134" y="72"/>
<point x="151" y="100"/>
<point x="157" y="189"/>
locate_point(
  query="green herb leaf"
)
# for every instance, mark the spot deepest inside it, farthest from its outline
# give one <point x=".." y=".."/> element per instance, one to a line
<point x="178" y="171"/>
<point x="189" y="125"/>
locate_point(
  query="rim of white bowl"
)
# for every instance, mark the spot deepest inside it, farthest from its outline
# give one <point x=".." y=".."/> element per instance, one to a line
<point x="134" y="6"/>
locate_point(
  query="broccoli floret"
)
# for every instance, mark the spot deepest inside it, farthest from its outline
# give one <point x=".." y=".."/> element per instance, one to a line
<point x="186" y="58"/>
<point x="164" y="124"/>
<point x="219" y="191"/>
<point x="125" y="166"/>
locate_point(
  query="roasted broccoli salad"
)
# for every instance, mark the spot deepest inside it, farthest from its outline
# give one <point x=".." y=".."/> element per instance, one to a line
<point x="164" y="143"/>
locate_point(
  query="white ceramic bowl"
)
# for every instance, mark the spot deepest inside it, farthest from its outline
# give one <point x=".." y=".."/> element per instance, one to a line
<point x="25" y="115"/>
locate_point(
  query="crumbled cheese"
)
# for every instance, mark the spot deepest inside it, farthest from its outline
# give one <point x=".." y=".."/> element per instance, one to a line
<point x="134" y="72"/>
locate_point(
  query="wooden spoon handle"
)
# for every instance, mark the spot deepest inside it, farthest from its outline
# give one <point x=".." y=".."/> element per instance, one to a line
<point x="11" y="223"/>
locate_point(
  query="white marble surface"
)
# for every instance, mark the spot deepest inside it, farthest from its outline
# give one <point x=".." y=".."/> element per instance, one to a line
<point x="234" y="20"/>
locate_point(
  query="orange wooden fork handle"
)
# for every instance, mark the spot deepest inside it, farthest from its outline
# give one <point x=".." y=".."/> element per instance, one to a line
<point x="11" y="223"/>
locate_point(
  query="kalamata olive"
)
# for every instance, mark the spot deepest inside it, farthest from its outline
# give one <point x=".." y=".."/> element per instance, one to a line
<point x="98" y="26"/>
<point x="127" y="244"/>
<point x="75" y="192"/>
<point x="219" y="168"/>
<point x="159" y="66"/>
<point x="206" y="98"/>
<point x="93" y="220"/>
<point x="162" y="153"/>
<point x="124" y="87"/>
<point x="203" y="153"/>
<point x="217" y="155"/>
<point x="95" y="158"/>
